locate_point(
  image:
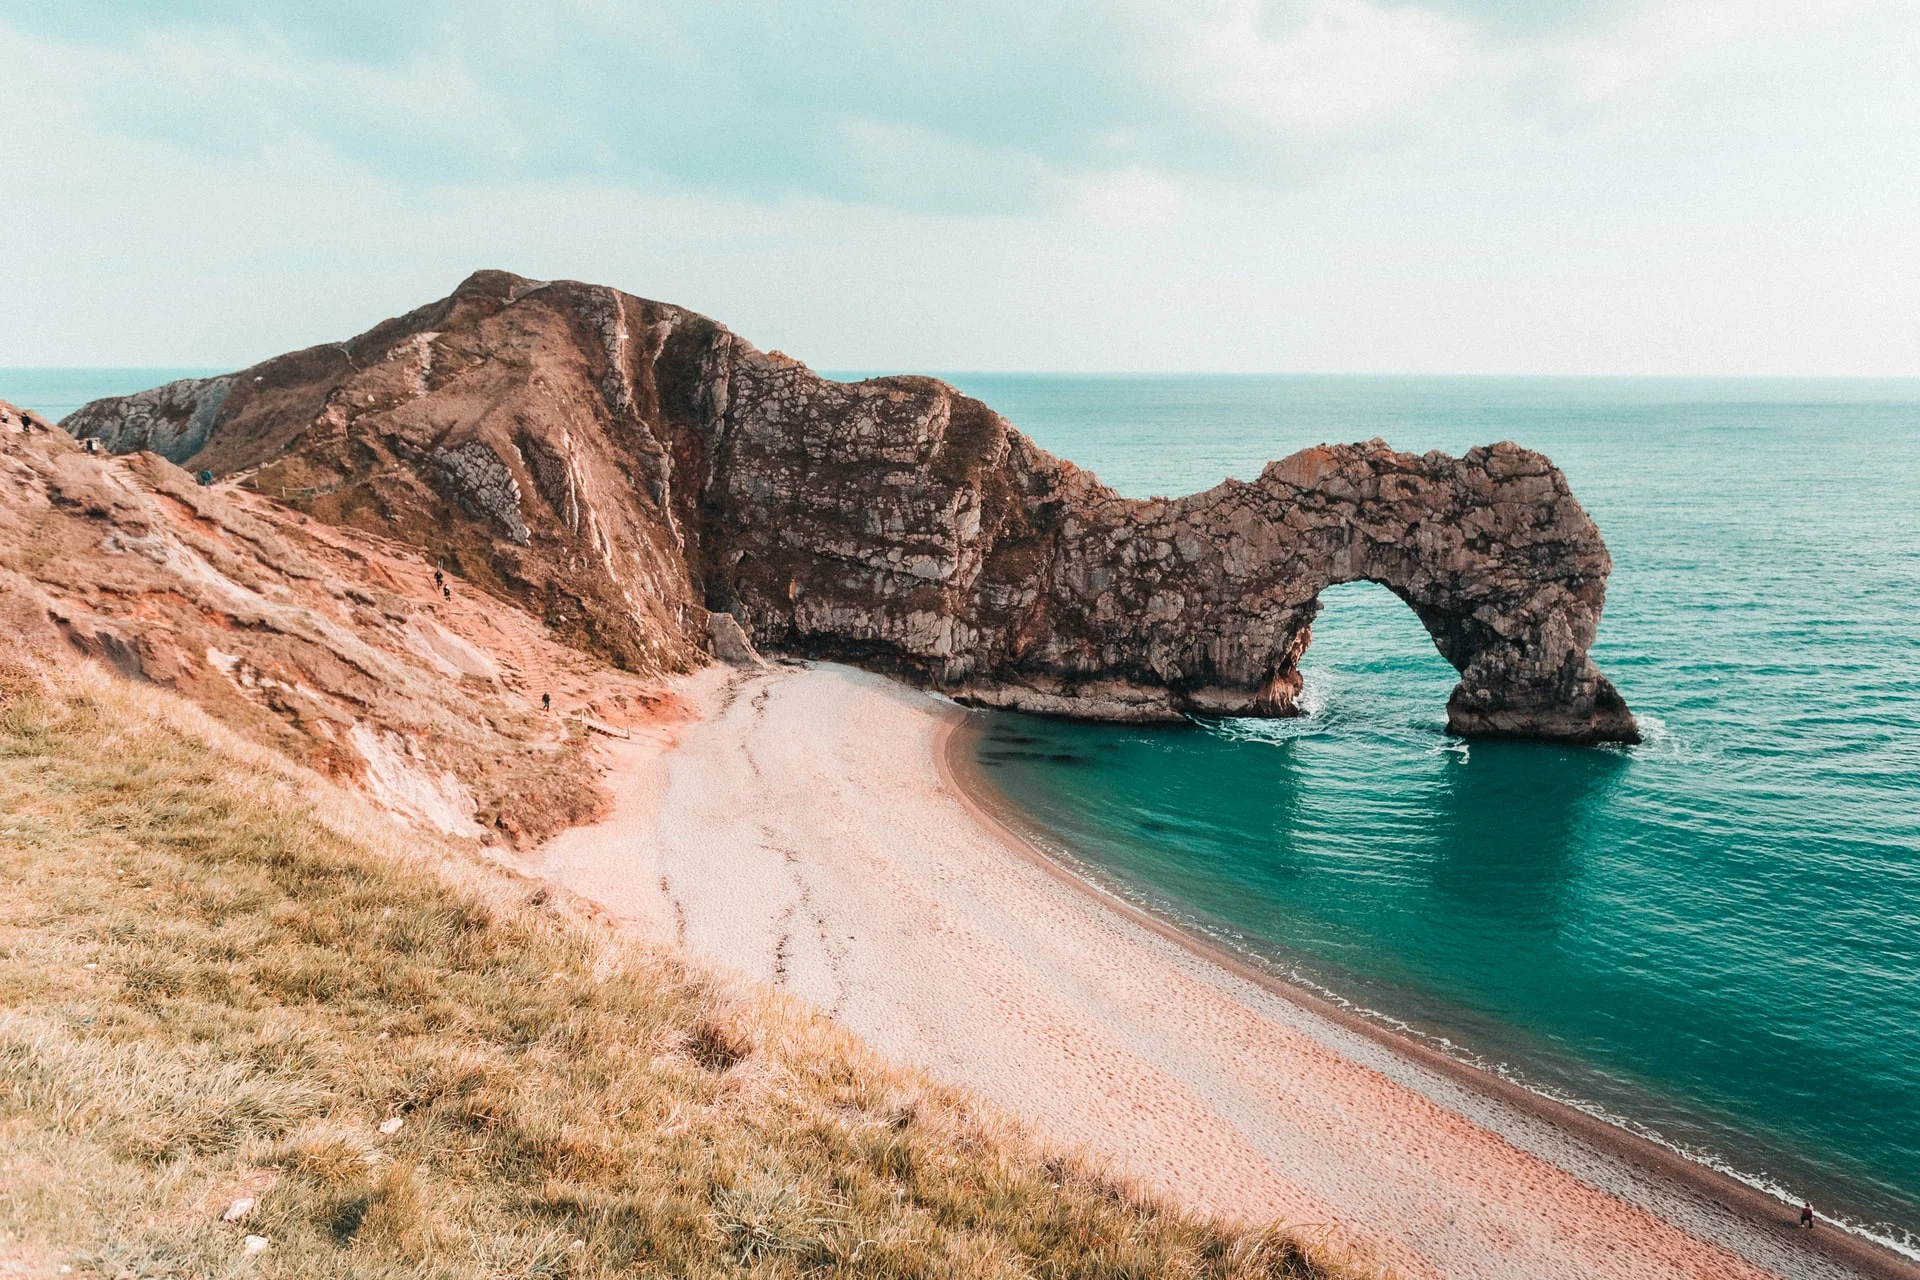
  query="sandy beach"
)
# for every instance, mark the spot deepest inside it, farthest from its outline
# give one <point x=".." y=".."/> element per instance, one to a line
<point x="804" y="828"/>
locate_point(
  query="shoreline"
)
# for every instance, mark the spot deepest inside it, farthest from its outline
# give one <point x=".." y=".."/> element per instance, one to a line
<point x="998" y="814"/>
<point x="805" y="828"/>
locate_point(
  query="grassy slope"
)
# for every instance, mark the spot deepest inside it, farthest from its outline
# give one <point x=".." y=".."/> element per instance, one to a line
<point x="218" y="977"/>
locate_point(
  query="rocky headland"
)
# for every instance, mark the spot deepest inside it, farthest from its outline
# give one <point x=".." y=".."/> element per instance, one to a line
<point x="655" y="489"/>
<point x="410" y="540"/>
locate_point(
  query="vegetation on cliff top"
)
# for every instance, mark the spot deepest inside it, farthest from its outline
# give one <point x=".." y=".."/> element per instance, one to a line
<point x="223" y="979"/>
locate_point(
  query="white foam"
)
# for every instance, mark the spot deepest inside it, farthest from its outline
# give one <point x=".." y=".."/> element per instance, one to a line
<point x="1317" y="685"/>
<point x="1653" y="730"/>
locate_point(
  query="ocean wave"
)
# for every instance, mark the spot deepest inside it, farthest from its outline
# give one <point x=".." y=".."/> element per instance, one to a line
<point x="1886" y="1235"/>
<point x="1271" y="732"/>
<point x="1329" y="702"/>
<point x="1659" y="742"/>
<point x="1317" y="685"/>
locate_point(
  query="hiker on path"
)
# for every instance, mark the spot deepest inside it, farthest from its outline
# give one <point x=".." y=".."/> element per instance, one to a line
<point x="546" y="702"/>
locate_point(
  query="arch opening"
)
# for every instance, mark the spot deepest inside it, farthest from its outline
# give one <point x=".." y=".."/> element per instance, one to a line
<point x="1370" y="657"/>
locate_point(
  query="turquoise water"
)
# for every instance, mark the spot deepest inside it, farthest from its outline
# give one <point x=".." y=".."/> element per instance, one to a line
<point x="1714" y="936"/>
<point x="58" y="392"/>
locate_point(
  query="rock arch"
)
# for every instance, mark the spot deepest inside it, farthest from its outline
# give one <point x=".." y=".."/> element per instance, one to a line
<point x="897" y="524"/>
<point x="1205" y="604"/>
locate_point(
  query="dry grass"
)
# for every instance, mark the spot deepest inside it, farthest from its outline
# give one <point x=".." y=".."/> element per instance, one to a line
<point x="219" y="979"/>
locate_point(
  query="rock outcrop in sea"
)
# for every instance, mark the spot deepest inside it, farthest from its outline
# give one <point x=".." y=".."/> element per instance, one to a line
<point x="627" y="469"/>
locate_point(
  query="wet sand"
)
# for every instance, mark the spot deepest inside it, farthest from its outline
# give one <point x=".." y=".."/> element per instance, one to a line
<point x="807" y="830"/>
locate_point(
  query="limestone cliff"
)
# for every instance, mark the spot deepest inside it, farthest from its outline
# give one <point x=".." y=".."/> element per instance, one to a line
<point x="623" y="467"/>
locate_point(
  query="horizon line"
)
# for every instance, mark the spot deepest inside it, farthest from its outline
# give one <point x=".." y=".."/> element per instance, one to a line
<point x="208" y="370"/>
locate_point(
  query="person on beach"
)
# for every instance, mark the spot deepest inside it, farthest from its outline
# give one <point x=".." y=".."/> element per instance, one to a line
<point x="1806" y="1217"/>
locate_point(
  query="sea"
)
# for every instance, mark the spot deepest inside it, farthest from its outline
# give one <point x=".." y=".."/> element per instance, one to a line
<point x="1711" y="938"/>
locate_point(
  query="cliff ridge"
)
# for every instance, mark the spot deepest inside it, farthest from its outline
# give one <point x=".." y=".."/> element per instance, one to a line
<point x="626" y="469"/>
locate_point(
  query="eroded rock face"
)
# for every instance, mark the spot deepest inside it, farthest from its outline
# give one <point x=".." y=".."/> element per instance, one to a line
<point x="623" y="467"/>
<point x="332" y="646"/>
<point x="172" y="419"/>
<point x="475" y="477"/>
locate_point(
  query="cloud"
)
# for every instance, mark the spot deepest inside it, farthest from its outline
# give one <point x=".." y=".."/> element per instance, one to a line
<point x="1002" y="105"/>
<point x="1458" y="185"/>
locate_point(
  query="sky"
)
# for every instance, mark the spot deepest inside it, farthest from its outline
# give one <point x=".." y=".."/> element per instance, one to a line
<point x="1333" y="186"/>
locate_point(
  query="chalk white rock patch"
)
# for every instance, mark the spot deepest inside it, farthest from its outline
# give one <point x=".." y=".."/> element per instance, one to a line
<point x="400" y="780"/>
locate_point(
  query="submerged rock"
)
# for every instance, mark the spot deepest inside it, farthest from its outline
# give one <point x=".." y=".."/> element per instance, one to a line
<point x="631" y="471"/>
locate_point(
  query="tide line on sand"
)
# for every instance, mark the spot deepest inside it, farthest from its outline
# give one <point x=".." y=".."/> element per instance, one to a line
<point x="816" y="830"/>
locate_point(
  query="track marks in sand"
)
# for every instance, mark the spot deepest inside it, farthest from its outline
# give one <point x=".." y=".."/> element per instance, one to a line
<point x="679" y="913"/>
<point x="801" y="906"/>
<point x="762" y="685"/>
